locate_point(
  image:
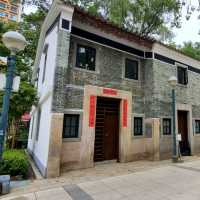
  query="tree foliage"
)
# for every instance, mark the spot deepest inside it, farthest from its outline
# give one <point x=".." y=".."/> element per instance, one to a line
<point x="22" y="101"/>
<point x="191" y="49"/>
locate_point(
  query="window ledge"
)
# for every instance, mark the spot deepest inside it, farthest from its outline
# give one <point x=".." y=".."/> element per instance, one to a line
<point x="131" y="80"/>
<point x="138" y="136"/>
<point x="166" y="136"/>
<point x="71" y="139"/>
<point x="182" y="85"/>
<point x="85" y="70"/>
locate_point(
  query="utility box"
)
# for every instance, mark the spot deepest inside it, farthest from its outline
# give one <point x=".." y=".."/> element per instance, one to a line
<point x="4" y="184"/>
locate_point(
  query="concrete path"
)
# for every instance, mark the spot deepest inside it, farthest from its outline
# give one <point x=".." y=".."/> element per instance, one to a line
<point x="167" y="182"/>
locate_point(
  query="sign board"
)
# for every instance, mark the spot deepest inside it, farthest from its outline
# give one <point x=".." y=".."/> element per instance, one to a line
<point x="179" y="138"/>
<point x="16" y="83"/>
<point x="2" y="82"/>
<point x="148" y="128"/>
<point x="109" y="91"/>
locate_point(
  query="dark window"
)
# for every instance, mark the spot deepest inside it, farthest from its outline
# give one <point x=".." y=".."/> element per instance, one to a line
<point x="197" y="126"/>
<point x="13" y="9"/>
<point x="131" y="69"/>
<point x="38" y="123"/>
<point x="32" y="126"/>
<point x="71" y="126"/>
<point x="138" y="126"/>
<point x="85" y="57"/>
<point x="2" y="5"/>
<point x="45" y="61"/>
<point x="65" y="24"/>
<point x="166" y="126"/>
<point x="182" y="75"/>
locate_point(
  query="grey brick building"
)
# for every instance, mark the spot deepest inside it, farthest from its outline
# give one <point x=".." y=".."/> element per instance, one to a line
<point x="104" y="95"/>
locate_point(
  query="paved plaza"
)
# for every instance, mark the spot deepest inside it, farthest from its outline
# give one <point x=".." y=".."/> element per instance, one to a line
<point x="156" y="181"/>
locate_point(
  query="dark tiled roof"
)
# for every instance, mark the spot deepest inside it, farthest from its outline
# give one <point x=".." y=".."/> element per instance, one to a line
<point x="109" y="27"/>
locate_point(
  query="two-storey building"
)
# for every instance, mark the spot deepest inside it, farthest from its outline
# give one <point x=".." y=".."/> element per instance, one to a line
<point x="104" y="94"/>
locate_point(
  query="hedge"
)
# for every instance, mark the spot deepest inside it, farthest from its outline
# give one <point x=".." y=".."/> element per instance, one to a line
<point x="15" y="163"/>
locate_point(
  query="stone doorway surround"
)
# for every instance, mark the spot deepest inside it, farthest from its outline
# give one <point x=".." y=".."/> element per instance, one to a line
<point x="188" y="108"/>
<point x="89" y="117"/>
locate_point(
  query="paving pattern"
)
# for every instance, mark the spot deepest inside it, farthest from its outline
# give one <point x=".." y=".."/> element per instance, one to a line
<point x="167" y="182"/>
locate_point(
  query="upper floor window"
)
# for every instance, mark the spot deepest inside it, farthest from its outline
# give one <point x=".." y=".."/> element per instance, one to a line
<point x="197" y="126"/>
<point x="138" y="126"/>
<point x="2" y="14"/>
<point x="38" y="123"/>
<point x="45" y="61"/>
<point x="71" y="126"/>
<point x="85" y="57"/>
<point x="182" y="75"/>
<point x="166" y="126"/>
<point x="2" y="5"/>
<point x="13" y="17"/>
<point x="13" y="9"/>
<point x="131" y="69"/>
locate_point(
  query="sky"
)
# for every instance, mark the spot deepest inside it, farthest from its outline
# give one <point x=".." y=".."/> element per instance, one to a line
<point x="188" y="31"/>
<point x="190" y="28"/>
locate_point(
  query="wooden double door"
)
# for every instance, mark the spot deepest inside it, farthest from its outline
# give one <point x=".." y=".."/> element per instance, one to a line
<point x="107" y="129"/>
<point x="183" y="130"/>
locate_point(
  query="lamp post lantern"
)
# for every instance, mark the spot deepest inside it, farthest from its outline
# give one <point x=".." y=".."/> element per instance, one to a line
<point x="15" y="42"/>
<point x="173" y="81"/>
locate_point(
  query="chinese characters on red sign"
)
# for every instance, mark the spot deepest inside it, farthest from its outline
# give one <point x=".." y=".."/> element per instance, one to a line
<point x="92" y="108"/>
<point x="125" y="113"/>
<point x="109" y="91"/>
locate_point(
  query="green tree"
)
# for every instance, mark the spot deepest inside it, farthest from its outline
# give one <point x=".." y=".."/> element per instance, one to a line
<point x="22" y="101"/>
<point x="191" y="49"/>
<point x="145" y="17"/>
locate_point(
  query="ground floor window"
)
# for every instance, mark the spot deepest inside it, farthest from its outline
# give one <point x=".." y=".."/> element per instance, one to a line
<point x="166" y="126"/>
<point x="71" y="126"/>
<point x="197" y="126"/>
<point x="38" y="123"/>
<point x="138" y="126"/>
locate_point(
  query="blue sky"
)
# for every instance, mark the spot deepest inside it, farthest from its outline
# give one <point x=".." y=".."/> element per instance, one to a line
<point x="188" y="32"/>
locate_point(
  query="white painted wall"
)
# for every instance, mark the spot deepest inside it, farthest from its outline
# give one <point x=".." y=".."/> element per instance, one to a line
<point x="47" y="86"/>
<point x="40" y="147"/>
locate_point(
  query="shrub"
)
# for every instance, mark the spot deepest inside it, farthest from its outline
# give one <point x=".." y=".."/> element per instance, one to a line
<point x="15" y="163"/>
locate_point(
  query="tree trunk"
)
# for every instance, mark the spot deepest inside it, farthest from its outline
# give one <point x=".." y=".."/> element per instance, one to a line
<point x="13" y="133"/>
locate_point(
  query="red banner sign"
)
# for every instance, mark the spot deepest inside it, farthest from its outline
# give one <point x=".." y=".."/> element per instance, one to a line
<point x="109" y="91"/>
<point x="125" y="112"/>
<point x="92" y="109"/>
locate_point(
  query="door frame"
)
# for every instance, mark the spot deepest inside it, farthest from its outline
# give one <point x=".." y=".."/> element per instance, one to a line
<point x="88" y="131"/>
<point x="116" y="146"/>
<point x="188" y="109"/>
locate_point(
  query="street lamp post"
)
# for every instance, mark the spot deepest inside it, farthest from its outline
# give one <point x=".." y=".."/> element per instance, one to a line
<point x="173" y="81"/>
<point x="15" y="42"/>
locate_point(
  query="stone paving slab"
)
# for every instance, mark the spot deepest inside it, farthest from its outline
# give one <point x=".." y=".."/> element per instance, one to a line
<point x="166" y="182"/>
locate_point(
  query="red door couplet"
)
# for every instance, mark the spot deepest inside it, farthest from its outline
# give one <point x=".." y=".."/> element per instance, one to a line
<point x="92" y="110"/>
<point x="125" y="112"/>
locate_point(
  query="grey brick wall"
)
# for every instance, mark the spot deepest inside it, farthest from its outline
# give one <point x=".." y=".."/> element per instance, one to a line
<point x="60" y="80"/>
<point x="151" y="94"/>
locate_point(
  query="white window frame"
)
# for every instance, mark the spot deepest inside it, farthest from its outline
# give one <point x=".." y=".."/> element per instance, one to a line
<point x="73" y="112"/>
<point x="124" y="68"/>
<point x="183" y="66"/>
<point x="96" y="71"/>
<point x="161" y="125"/>
<point x="194" y="124"/>
<point x="143" y="125"/>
